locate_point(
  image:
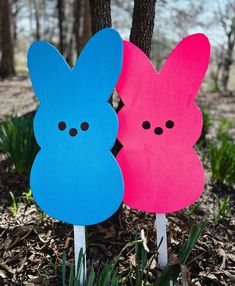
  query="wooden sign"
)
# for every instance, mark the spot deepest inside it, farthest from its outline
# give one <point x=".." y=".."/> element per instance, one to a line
<point x="159" y="125"/>
<point x="74" y="177"/>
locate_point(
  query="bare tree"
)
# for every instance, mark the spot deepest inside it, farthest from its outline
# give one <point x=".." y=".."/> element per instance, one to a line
<point x="7" y="59"/>
<point x="86" y="32"/>
<point x="60" y="10"/>
<point x="226" y="17"/>
<point x="100" y="15"/>
<point x="185" y="17"/>
<point x="76" y="24"/>
<point x="194" y="15"/>
<point x="82" y="23"/>
<point x="37" y="20"/>
<point x="15" y="9"/>
<point x="143" y="24"/>
<point x="217" y="56"/>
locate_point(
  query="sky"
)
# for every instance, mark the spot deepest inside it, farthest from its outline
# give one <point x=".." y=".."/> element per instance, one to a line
<point x="164" y="25"/>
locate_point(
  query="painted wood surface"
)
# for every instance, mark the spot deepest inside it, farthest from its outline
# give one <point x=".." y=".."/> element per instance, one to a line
<point x="159" y="124"/>
<point x="74" y="177"/>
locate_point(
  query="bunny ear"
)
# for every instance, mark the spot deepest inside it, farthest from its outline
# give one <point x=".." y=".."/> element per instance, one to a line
<point x="186" y="66"/>
<point x="137" y="73"/>
<point x="46" y="66"/>
<point x="100" y="62"/>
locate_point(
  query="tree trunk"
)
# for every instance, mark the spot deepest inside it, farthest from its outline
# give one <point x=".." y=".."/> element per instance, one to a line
<point x="37" y="20"/>
<point x="100" y="11"/>
<point x="143" y="24"/>
<point x="86" y="24"/>
<point x="14" y="14"/>
<point x="82" y="23"/>
<point x="60" y="9"/>
<point x="70" y="41"/>
<point x="100" y="15"/>
<point x="7" y="60"/>
<point x="228" y="60"/>
<point x="215" y="76"/>
<point x="76" y="24"/>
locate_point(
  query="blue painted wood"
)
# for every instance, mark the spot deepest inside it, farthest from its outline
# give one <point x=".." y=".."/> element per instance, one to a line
<point x="74" y="177"/>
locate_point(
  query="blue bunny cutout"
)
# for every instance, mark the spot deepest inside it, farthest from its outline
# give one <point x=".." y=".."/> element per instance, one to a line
<point x="74" y="177"/>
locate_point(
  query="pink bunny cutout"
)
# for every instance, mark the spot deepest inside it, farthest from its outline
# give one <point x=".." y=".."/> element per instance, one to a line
<point x="159" y="125"/>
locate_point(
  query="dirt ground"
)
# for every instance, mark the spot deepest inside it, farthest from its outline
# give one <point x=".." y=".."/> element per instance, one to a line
<point x="16" y="97"/>
<point x="31" y="244"/>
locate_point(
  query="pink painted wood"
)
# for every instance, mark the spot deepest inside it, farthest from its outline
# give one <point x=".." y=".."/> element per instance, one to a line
<point x="162" y="172"/>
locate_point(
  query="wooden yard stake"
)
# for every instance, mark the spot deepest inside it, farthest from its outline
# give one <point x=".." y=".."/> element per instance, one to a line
<point x="80" y="242"/>
<point x="160" y="225"/>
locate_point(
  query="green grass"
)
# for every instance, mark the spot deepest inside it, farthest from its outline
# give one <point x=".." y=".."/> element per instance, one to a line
<point x="172" y="272"/>
<point x="138" y="274"/>
<point x="18" y="143"/>
<point x="222" y="155"/>
<point x="224" y="210"/>
<point x="222" y="160"/>
<point x="28" y="196"/>
<point x="14" y="204"/>
<point x="207" y="122"/>
<point x="108" y="276"/>
<point x="223" y="129"/>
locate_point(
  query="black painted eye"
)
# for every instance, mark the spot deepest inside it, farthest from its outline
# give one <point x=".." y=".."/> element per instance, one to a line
<point x="170" y="124"/>
<point x="158" y="130"/>
<point x="73" y="132"/>
<point x="84" y="126"/>
<point x="146" y="125"/>
<point x="62" y="125"/>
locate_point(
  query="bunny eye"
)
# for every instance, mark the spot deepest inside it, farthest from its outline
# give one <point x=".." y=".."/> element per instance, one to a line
<point x="146" y="125"/>
<point x="84" y="126"/>
<point x="62" y="125"/>
<point x="170" y="124"/>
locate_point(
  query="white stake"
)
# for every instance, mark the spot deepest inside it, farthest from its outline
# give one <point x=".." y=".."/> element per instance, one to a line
<point x="160" y="225"/>
<point x="80" y="242"/>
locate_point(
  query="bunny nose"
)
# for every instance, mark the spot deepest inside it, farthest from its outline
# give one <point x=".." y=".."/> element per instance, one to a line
<point x="158" y="130"/>
<point x="73" y="132"/>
